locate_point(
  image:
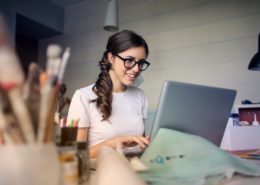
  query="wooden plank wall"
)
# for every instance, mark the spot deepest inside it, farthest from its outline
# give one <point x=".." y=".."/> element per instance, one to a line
<point x="206" y="42"/>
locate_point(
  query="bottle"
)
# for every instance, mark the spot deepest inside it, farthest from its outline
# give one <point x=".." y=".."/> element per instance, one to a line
<point x="255" y="122"/>
<point x="235" y="119"/>
<point x="83" y="165"/>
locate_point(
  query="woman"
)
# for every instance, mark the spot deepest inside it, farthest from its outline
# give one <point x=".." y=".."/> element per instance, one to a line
<point x="111" y="112"/>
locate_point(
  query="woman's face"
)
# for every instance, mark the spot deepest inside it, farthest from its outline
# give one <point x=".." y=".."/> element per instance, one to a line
<point x="120" y="75"/>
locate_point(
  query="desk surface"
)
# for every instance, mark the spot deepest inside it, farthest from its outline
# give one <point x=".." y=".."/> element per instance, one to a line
<point x="100" y="173"/>
<point x="236" y="180"/>
<point x="241" y="180"/>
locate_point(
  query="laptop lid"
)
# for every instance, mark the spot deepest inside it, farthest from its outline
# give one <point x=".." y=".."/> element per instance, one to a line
<point x="195" y="109"/>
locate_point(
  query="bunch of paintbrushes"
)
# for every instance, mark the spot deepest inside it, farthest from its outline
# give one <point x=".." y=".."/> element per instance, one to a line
<point x="27" y="105"/>
<point x="50" y="83"/>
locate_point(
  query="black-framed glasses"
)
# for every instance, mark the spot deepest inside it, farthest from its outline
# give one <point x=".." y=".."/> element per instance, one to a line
<point x="130" y="62"/>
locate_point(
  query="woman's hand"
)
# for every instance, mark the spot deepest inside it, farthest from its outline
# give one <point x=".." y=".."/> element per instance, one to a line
<point x="126" y="141"/>
<point x="123" y="141"/>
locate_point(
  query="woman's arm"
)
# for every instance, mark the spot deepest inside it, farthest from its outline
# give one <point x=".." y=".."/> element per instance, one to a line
<point x="113" y="142"/>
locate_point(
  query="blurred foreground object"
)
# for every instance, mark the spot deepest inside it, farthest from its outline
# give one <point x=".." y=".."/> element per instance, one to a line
<point x="27" y="106"/>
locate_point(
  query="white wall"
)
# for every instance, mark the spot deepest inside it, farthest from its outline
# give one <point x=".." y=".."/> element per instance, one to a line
<point x="199" y="41"/>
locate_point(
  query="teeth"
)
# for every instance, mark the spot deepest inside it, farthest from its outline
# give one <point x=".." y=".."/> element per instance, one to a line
<point x="131" y="76"/>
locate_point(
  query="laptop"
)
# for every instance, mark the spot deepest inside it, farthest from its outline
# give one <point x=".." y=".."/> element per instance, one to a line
<point x="196" y="109"/>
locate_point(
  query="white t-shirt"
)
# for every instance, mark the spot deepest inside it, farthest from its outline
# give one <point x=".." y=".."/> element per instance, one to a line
<point x="129" y="109"/>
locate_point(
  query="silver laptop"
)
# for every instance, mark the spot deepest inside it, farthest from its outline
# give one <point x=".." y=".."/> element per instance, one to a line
<point x="196" y="109"/>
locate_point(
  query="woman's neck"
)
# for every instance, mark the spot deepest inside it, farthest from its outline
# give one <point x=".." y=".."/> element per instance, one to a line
<point x="117" y="85"/>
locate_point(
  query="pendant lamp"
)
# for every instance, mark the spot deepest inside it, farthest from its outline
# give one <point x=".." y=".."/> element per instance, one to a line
<point x="255" y="61"/>
<point x="111" y="20"/>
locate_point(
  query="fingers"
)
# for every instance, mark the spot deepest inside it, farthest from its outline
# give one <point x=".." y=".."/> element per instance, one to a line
<point x="127" y="141"/>
<point x="144" y="140"/>
<point x="140" y="140"/>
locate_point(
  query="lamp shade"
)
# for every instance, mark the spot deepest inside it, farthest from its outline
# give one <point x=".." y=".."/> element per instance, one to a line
<point x="255" y="61"/>
<point x="111" y="20"/>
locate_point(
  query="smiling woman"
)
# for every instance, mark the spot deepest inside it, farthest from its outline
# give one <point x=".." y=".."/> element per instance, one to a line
<point x="111" y="112"/>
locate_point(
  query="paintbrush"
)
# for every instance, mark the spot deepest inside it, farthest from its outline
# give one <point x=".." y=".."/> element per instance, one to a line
<point x="8" y="122"/>
<point x="64" y="61"/>
<point x="60" y="74"/>
<point x="48" y="91"/>
<point x="11" y="79"/>
<point x="51" y="119"/>
<point x="31" y="93"/>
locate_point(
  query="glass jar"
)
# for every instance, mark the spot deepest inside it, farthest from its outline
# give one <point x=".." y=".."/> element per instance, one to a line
<point x="84" y="164"/>
<point x="69" y="165"/>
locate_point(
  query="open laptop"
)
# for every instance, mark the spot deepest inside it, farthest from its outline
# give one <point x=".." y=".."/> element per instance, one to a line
<point x="195" y="109"/>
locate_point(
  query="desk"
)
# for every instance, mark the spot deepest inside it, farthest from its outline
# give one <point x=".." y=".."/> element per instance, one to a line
<point x="113" y="169"/>
<point x="241" y="180"/>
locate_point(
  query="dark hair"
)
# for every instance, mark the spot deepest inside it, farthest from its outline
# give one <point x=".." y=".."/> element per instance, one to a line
<point x="117" y="43"/>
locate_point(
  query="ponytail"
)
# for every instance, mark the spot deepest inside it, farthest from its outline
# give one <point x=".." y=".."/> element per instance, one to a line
<point x="103" y="88"/>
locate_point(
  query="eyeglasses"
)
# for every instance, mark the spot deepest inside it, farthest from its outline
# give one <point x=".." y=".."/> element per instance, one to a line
<point x="129" y="63"/>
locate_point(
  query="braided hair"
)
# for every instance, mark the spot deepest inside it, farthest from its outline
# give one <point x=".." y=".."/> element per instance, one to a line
<point x="119" y="42"/>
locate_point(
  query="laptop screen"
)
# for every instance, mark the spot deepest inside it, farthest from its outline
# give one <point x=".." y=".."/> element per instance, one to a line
<point x="195" y="109"/>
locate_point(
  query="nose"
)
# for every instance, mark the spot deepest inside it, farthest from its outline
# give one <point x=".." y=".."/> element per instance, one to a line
<point x="136" y="68"/>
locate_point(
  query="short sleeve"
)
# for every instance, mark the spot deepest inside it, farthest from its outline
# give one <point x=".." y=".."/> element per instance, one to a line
<point x="78" y="110"/>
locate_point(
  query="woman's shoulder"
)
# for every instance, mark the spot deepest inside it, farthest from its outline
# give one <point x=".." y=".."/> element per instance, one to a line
<point x="86" y="91"/>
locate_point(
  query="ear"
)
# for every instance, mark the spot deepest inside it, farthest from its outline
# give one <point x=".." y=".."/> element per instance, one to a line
<point x="111" y="57"/>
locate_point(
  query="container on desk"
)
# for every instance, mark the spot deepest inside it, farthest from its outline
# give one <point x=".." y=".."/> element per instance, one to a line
<point x="84" y="162"/>
<point x="69" y="165"/>
<point x="244" y="137"/>
<point x="69" y="136"/>
<point x="29" y="164"/>
<point x="235" y="119"/>
<point x="239" y="135"/>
